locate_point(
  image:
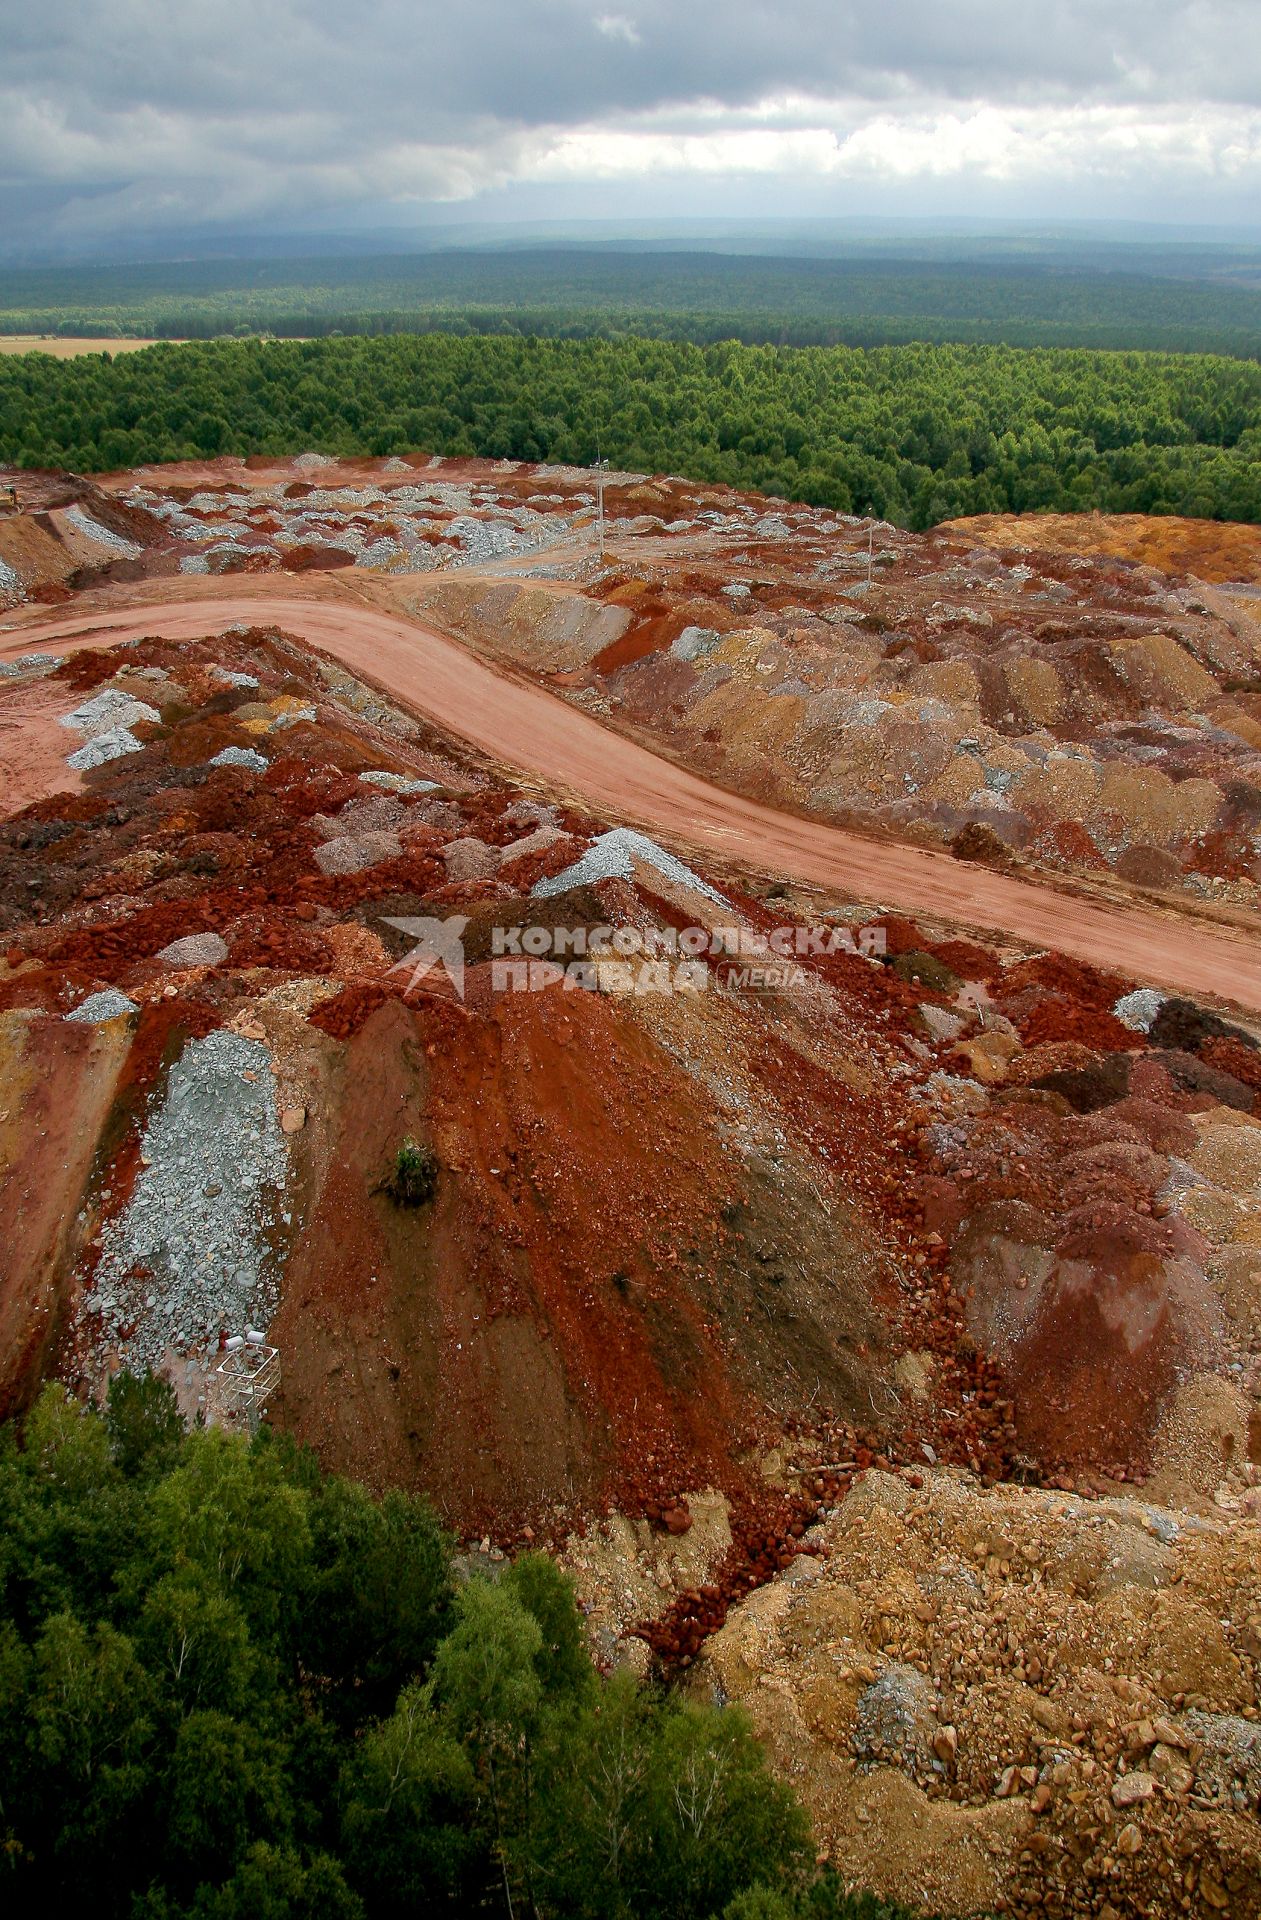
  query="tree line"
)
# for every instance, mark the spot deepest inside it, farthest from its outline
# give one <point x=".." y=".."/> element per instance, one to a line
<point x="233" y="1688"/>
<point x="1173" y="299"/>
<point x="915" y="435"/>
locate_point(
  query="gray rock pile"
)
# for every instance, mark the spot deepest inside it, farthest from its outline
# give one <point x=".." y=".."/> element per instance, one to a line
<point x="897" y="1720"/>
<point x="109" y="1004"/>
<point x="110" y="744"/>
<point x="26" y="663"/>
<point x="355" y="852"/>
<point x="398" y="782"/>
<point x="195" y="950"/>
<point x="614" y="856"/>
<point x="190" y="1253"/>
<point x="693" y="642"/>
<point x="470" y="859"/>
<point x="103" y="536"/>
<point x="108" y="710"/>
<point x="240" y="757"/>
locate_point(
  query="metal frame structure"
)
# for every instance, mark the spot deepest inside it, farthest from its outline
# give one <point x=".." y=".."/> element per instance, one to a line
<point x="243" y="1382"/>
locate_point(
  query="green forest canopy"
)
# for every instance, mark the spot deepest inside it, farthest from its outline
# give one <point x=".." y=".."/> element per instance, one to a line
<point x="1180" y="299"/>
<point x="232" y="1688"/>
<point x="914" y="434"/>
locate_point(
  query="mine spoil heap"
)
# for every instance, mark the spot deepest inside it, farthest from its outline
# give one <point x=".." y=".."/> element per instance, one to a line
<point x="877" y="1349"/>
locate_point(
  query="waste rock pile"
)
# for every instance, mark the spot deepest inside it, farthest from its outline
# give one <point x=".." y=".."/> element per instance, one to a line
<point x="876" y="1337"/>
<point x="1014" y="1702"/>
<point x="189" y="1257"/>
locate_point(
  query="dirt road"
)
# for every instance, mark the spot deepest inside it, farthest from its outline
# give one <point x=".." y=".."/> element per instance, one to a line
<point x="527" y="727"/>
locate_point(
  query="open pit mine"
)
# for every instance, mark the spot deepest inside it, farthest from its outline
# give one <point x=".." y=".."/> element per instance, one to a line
<point x="728" y="1049"/>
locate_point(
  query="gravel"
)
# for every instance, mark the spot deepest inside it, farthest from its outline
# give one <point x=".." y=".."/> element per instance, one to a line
<point x="293" y="717"/>
<point x="614" y="855"/>
<point x="372" y="813"/>
<point x="355" y="852"/>
<point x="268" y="523"/>
<point x="1229" y="1766"/>
<point x="103" y="536"/>
<point x="195" y="950"/>
<point x="1138" y="1010"/>
<point x="470" y="859"/>
<point x="693" y="642"/>
<point x="28" y="662"/>
<point x="109" y="1004"/>
<point x="107" y="711"/>
<point x="381" y="553"/>
<point x="941" y="1024"/>
<point x="895" y="1720"/>
<point x="240" y="757"/>
<point x="10" y="586"/>
<point x="542" y="838"/>
<point x="486" y="540"/>
<point x="530" y="813"/>
<point x="190" y="1253"/>
<point x="231" y="679"/>
<point x="109" y="745"/>
<point x="398" y="782"/>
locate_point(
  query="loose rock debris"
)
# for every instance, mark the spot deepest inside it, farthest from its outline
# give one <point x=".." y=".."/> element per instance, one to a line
<point x="615" y="855"/>
<point x="1014" y="1701"/>
<point x="111" y="743"/>
<point x="883" y="1354"/>
<point x="189" y="1256"/>
<point x="106" y="1005"/>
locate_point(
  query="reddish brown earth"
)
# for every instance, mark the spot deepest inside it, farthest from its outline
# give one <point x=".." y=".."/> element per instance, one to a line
<point x="619" y="1285"/>
<point x="57" y="1085"/>
<point x="1069" y="691"/>
<point x="798" y="1320"/>
<point x="525" y="726"/>
<point x="33" y="743"/>
<point x="581" y="1316"/>
<point x="574" y="1315"/>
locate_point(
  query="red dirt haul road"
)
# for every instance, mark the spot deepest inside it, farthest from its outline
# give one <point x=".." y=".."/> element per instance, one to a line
<point x="525" y="726"/>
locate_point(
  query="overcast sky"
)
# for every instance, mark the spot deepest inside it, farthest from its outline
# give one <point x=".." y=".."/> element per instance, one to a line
<point x="122" y="115"/>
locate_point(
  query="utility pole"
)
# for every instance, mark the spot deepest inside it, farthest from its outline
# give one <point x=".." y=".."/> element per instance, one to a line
<point x="601" y="467"/>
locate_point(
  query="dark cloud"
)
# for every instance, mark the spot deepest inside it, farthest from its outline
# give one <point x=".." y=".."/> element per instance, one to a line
<point x="119" y="112"/>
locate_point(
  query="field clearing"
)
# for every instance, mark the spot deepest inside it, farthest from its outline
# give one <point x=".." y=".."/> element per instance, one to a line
<point x="71" y="347"/>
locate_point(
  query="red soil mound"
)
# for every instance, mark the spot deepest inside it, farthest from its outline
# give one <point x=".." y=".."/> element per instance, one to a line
<point x="346" y="1012"/>
<point x="1057" y="1019"/>
<point x="577" y="1315"/>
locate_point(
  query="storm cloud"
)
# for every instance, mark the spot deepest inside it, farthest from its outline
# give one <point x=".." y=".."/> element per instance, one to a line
<point x="135" y="113"/>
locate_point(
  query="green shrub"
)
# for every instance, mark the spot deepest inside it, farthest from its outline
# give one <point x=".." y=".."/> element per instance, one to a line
<point x="413" y="1177"/>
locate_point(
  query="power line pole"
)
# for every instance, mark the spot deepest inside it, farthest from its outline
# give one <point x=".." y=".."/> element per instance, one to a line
<point x="601" y="467"/>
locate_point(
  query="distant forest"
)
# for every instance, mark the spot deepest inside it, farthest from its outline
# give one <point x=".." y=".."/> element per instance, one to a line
<point x="914" y="434"/>
<point x="1174" y="299"/>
